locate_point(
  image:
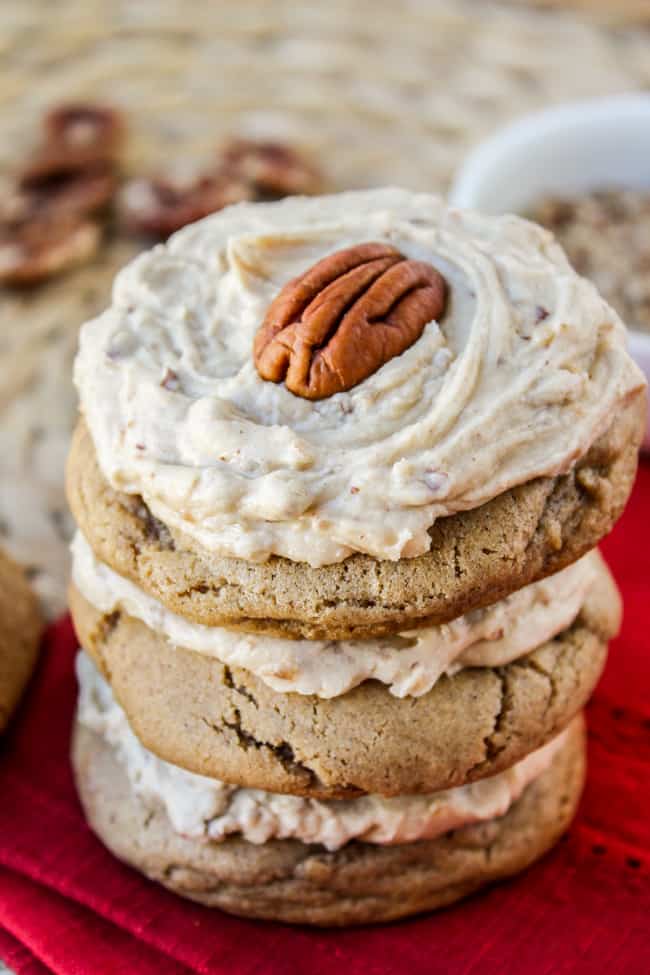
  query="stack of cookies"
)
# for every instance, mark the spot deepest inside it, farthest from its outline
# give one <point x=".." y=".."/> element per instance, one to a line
<point x="340" y="472"/>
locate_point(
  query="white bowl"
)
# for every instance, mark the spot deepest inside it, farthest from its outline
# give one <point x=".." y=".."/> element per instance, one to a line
<point x="575" y="148"/>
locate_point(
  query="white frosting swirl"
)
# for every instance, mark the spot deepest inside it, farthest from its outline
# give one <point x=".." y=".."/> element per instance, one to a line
<point x="408" y="663"/>
<point x="526" y="369"/>
<point x="206" y="809"/>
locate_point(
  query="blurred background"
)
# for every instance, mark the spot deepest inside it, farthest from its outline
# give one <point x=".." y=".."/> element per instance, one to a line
<point x="373" y="92"/>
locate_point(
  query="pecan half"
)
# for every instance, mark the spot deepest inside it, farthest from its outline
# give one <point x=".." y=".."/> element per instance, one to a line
<point x="75" y="167"/>
<point x="44" y="221"/>
<point x="37" y="248"/>
<point x="271" y="169"/>
<point x="345" y="317"/>
<point x="56" y="184"/>
<point x="158" y="207"/>
<point x="84" y="132"/>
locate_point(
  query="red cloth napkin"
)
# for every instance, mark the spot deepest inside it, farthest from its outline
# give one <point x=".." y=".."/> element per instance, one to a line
<point x="67" y="906"/>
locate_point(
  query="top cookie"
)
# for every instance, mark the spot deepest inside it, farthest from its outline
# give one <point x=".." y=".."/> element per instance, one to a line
<point x="418" y="362"/>
<point x="20" y="629"/>
<point x="475" y="557"/>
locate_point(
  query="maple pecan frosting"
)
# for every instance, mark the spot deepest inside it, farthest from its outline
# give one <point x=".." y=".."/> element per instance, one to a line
<point x="206" y="809"/>
<point x="509" y="368"/>
<point x="409" y="663"/>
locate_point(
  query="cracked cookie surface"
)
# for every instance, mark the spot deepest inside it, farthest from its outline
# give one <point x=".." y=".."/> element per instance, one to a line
<point x="476" y="557"/>
<point x="21" y="625"/>
<point x="223" y="722"/>
<point x="290" y="881"/>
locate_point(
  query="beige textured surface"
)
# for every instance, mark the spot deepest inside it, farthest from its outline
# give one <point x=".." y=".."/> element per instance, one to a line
<point x="20" y="629"/>
<point x="476" y="557"/>
<point x="223" y="722"/>
<point x="290" y="881"/>
<point x="379" y="96"/>
<point x="608" y="11"/>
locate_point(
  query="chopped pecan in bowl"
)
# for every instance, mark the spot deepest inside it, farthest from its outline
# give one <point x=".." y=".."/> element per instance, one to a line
<point x="339" y="322"/>
<point x="606" y="236"/>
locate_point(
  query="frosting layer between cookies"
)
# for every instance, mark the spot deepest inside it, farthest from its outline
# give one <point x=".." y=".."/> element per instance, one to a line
<point x="408" y="663"/>
<point x="207" y="809"/>
<point x="523" y="373"/>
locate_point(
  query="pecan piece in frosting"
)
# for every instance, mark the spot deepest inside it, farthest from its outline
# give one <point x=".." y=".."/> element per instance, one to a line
<point x="344" y="318"/>
<point x="271" y="169"/>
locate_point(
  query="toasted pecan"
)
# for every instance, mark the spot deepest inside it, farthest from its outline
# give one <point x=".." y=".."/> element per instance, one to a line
<point x="57" y="184"/>
<point x="84" y="132"/>
<point x="344" y="318"/>
<point x="35" y="249"/>
<point x="159" y="206"/>
<point x="271" y="169"/>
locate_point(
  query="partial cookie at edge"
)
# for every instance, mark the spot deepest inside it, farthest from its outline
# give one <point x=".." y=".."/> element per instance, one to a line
<point x="476" y="557"/>
<point x="21" y="625"/>
<point x="223" y="722"/>
<point x="290" y="881"/>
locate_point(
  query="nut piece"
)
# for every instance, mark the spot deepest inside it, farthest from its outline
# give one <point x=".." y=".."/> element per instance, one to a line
<point x="158" y="207"/>
<point x="75" y="168"/>
<point x="38" y="248"/>
<point x="84" y="132"/>
<point x="271" y="169"/>
<point x="44" y="222"/>
<point x="244" y="170"/>
<point x="56" y="184"/>
<point x="344" y="318"/>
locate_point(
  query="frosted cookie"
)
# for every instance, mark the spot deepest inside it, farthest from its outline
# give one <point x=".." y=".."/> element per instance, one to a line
<point x="467" y="700"/>
<point x="21" y="625"/>
<point x="345" y="415"/>
<point x="476" y="558"/>
<point x="285" y="858"/>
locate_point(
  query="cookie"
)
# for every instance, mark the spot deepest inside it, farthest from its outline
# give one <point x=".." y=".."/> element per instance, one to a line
<point x="21" y="626"/>
<point x="225" y="723"/>
<point x="323" y="376"/>
<point x="287" y="880"/>
<point x="476" y="557"/>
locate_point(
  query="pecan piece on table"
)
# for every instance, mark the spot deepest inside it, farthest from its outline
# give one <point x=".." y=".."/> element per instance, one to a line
<point x="75" y="168"/>
<point x="84" y="132"/>
<point x="159" y="206"/>
<point x="57" y="184"/>
<point x="336" y="324"/>
<point x="44" y="225"/>
<point x="34" y="249"/>
<point x="271" y="169"/>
